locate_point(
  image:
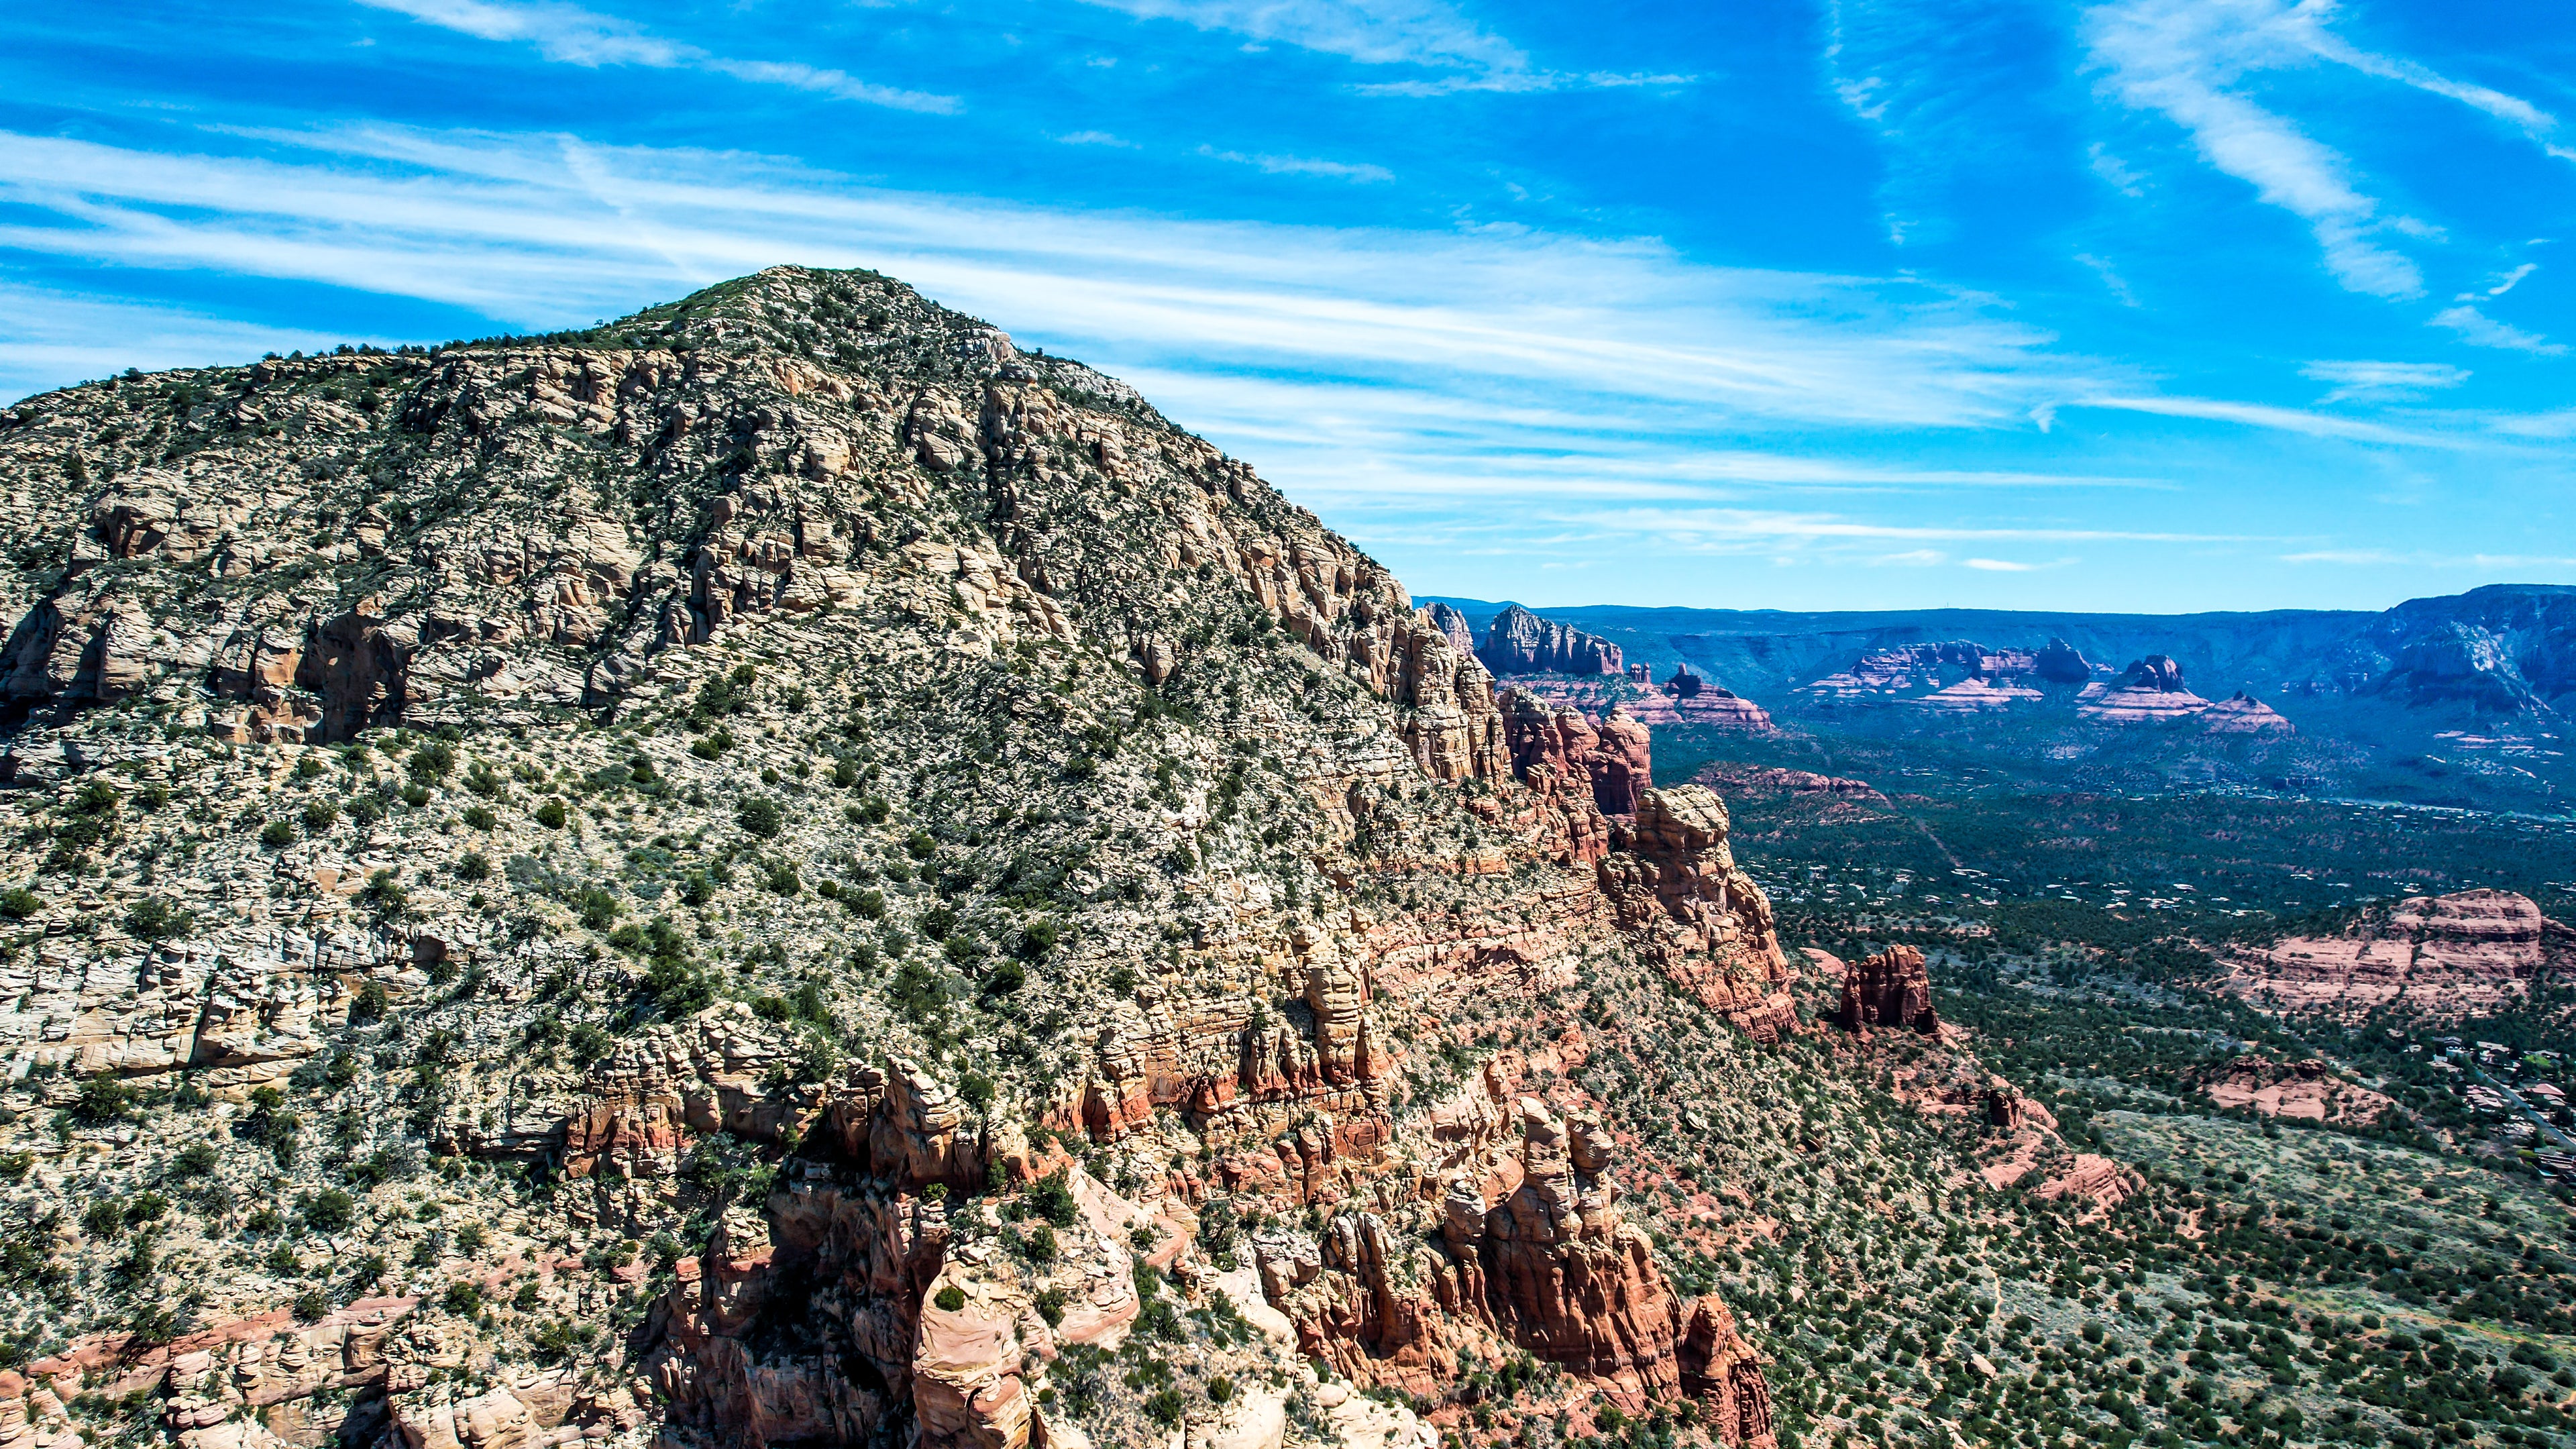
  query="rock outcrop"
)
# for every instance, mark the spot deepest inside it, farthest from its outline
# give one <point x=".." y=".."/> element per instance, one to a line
<point x="2307" y="1091"/>
<point x="2062" y="663"/>
<point x="2242" y="714"/>
<point x="1529" y="1244"/>
<point x="1696" y="915"/>
<point x="1520" y="642"/>
<point x="2151" y="691"/>
<point x="1889" y="991"/>
<point x="1616" y="755"/>
<point x="2436" y="958"/>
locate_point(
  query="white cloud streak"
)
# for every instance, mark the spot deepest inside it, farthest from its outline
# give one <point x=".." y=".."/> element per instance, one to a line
<point x="1426" y="34"/>
<point x="2188" y="58"/>
<point x="1359" y="171"/>
<point x="2478" y="329"/>
<point x="2383" y="380"/>
<point x="535" y="229"/>
<point x="2278" y="419"/>
<point x="1373" y="32"/>
<point x="2180" y="58"/>
<point x="571" y="35"/>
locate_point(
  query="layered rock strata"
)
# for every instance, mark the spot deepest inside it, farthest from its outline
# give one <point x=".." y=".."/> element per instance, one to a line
<point x="1520" y="642"/>
<point x="2435" y="957"/>
<point x="1889" y="991"/>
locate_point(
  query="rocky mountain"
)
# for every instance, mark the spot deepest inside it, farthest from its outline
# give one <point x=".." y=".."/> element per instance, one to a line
<point x="782" y="870"/>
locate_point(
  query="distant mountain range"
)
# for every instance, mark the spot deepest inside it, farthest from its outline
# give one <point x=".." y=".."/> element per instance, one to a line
<point x="2466" y="695"/>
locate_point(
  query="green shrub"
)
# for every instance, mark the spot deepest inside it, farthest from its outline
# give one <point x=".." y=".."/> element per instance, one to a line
<point x="551" y="815"/>
<point x="588" y="1044"/>
<point x="1050" y="1304"/>
<point x="328" y="1211"/>
<point x="474" y="865"/>
<point x="950" y="1298"/>
<point x="154" y="919"/>
<point x="104" y="1219"/>
<point x="18" y="903"/>
<point x="197" y="1159"/>
<point x="320" y="815"/>
<point x="869" y="905"/>
<point x="760" y="817"/>
<point x="276" y="833"/>
<point x="599" y="909"/>
<point x="479" y="817"/>
<point x="102" y="1100"/>
<point x="415" y="796"/>
<point x="312" y="1304"/>
<point x="430" y="763"/>
<point x="1051" y="1198"/>
<point x="462" y="1299"/>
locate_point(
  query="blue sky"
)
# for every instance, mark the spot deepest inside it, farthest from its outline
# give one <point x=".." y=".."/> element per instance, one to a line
<point x="2147" y="305"/>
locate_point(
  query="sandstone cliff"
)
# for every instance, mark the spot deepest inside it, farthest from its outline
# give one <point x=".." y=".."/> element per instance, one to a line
<point x="1520" y="642"/>
<point x="2436" y="958"/>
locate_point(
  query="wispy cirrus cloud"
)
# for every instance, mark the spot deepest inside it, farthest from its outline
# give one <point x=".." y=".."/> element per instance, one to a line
<point x="1360" y="171"/>
<point x="1373" y="32"/>
<point x="2190" y="59"/>
<point x="2377" y="381"/>
<point x="2281" y="419"/>
<point x="574" y="36"/>
<point x="1426" y="34"/>
<point x="2480" y="330"/>
<point x="539" y="228"/>
<point x="2182" y="58"/>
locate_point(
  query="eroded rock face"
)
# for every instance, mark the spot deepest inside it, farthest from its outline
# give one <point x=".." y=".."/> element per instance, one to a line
<point x="2442" y="957"/>
<point x="1890" y="991"/>
<point x="1520" y="642"/>
<point x="2150" y="691"/>
<point x="1527" y="1243"/>
<point x="1614" y="757"/>
<point x="2062" y="663"/>
<point x="2242" y="714"/>
<point x="2308" y="1091"/>
<point x="1691" y="910"/>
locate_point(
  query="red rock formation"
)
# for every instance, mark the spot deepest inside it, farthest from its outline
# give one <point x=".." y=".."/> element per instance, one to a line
<point x="2100" y="1182"/>
<point x="1520" y="642"/>
<point x="2437" y="957"/>
<point x="1733" y="780"/>
<point x="1531" y="1246"/>
<point x="2152" y="690"/>
<point x="1451" y="625"/>
<point x="1977" y="696"/>
<point x="1615" y="757"/>
<point x="1724" y="1372"/>
<point x="1685" y="905"/>
<point x="1709" y="706"/>
<point x="2305" y="1091"/>
<point x="2062" y="663"/>
<point x="1890" y="990"/>
<point x="2242" y="714"/>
